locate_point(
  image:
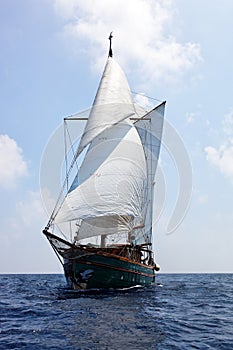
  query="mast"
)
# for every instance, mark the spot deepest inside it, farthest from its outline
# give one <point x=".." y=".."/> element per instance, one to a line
<point x="110" y="45"/>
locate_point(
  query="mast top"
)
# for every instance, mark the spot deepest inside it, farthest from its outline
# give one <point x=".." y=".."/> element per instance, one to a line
<point x="110" y="46"/>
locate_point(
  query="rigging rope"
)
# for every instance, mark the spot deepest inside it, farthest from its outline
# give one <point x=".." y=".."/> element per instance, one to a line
<point x="151" y="98"/>
<point x="65" y="183"/>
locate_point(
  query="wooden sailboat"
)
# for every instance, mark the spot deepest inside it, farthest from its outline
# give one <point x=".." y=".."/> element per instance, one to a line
<point x="109" y="205"/>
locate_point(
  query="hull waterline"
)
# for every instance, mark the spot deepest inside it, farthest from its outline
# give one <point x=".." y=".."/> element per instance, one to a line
<point x="106" y="271"/>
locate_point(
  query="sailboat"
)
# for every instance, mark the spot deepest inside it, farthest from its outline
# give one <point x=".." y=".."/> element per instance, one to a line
<point x="108" y="208"/>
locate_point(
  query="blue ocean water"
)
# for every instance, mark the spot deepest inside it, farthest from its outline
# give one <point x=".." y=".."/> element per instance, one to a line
<point x="182" y="311"/>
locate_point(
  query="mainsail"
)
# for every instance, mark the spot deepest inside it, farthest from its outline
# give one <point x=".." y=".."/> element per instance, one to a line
<point x="111" y="193"/>
<point x="112" y="181"/>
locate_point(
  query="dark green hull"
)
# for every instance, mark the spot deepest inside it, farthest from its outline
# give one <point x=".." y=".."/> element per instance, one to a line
<point x="91" y="271"/>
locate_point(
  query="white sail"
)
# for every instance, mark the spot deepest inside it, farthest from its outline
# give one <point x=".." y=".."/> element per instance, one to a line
<point x="112" y="193"/>
<point x="113" y="103"/>
<point x="111" y="185"/>
<point x="150" y="128"/>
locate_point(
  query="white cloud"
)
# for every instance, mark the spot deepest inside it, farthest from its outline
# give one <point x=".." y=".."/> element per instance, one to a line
<point x="22" y="239"/>
<point x="48" y="201"/>
<point x="31" y="210"/>
<point x="12" y="164"/>
<point x="203" y="198"/>
<point x="190" y="117"/>
<point x="228" y="124"/>
<point x="28" y="216"/>
<point x="222" y="157"/>
<point x="142" y="28"/>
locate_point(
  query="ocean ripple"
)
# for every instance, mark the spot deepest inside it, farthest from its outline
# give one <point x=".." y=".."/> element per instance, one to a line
<point x="182" y="311"/>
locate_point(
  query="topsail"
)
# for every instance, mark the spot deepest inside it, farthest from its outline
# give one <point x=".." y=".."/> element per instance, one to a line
<point x="113" y="103"/>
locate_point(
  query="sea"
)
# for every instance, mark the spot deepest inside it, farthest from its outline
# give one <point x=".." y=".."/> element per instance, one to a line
<point x="181" y="311"/>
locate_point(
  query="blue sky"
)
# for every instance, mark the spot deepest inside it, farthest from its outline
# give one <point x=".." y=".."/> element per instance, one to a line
<point x="51" y="58"/>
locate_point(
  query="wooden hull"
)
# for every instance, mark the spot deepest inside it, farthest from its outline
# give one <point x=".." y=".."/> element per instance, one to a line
<point x="103" y="270"/>
<point x="117" y="266"/>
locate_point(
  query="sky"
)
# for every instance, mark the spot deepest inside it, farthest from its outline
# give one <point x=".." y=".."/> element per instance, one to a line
<point x="52" y="53"/>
